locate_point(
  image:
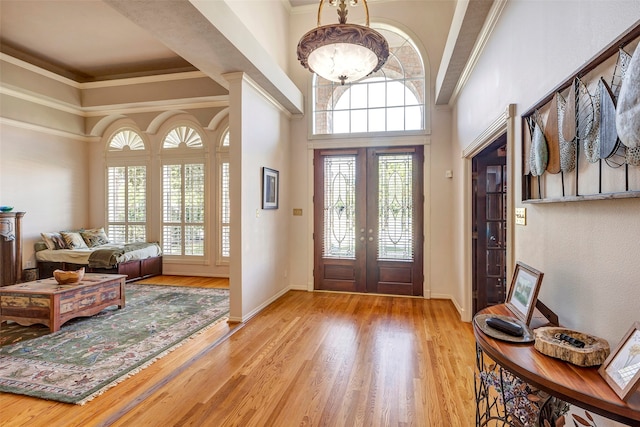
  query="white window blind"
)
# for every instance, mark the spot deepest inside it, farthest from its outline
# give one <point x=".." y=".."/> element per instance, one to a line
<point x="126" y="203"/>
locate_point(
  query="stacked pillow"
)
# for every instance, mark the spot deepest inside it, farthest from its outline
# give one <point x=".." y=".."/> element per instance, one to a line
<point x="82" y="239"/>
<point x="53" y="240"/>
<point x="94" y="237"/>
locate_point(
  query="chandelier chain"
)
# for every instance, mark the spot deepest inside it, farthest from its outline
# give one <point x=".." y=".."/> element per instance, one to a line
<point x="342" y="10"/>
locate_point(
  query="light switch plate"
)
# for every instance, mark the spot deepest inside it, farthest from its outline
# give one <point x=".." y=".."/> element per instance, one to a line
<point x="521" y="216"/>
<point x="297" y="212"/>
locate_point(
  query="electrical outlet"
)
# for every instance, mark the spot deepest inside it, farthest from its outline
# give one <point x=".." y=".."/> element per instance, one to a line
<point x="30" y="264"/>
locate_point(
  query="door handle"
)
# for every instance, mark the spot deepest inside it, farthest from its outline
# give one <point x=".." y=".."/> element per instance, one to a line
<point x="362" y="239"/>
<point x="371" y="239"/>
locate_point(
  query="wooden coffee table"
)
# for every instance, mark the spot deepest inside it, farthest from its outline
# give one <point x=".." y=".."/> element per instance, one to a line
<point x="47" y="302"/>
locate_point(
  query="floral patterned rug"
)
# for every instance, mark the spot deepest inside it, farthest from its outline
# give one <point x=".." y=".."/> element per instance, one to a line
<point x="89" y="355"/>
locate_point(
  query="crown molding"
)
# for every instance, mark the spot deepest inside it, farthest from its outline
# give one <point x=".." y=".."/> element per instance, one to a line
<point x="495" y="129"/>
<point x="41" y="71"/>
<point x="46" y="130"/>
<point x="123" y="108"/>
<point x="103" y="83"/>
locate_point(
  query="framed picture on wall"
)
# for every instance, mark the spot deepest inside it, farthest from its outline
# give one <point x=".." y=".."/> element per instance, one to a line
<point x="523" y="292"/>
<point x="621" y="370"/>
<point x="270" y="188"/>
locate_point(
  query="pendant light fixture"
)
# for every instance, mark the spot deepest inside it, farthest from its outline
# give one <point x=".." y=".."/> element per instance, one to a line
<point x="343" y="52"/>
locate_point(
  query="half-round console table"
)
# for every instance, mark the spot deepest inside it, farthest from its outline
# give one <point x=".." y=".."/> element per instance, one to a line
<point x="505" y="379"/>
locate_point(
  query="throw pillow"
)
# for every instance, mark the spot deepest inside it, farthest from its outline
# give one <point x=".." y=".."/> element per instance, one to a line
<point x="53" y="241"/>
<point x="94" y="237"/>
<point x="74" y="240"/>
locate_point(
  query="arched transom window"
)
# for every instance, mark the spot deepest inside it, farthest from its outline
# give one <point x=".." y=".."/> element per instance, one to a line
<point x="390" y="100"/>
<point x="126" y="139"/>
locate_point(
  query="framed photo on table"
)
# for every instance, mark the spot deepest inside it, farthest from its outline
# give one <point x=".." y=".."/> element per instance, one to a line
<point x="621" y="370"/>
<point x="523" y="292"/>
<point x="270" y="188"/>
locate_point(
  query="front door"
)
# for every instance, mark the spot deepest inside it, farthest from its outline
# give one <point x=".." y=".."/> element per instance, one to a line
<point x="368" y="215"/>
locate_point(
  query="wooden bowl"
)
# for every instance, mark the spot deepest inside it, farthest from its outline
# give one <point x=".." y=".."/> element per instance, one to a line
<point x="66" y="277"/>
<point x="594" y="352"/>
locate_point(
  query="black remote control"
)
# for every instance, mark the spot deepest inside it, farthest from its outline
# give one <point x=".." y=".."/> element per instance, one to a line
<point x="505" y="326"/>
<point x="571" y="340"/>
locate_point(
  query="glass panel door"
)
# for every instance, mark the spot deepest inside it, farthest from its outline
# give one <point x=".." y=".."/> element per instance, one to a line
<point x="368" y="229"/>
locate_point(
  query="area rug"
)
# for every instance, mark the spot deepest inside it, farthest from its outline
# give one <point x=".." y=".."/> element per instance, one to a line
<point x="89" y="355"/>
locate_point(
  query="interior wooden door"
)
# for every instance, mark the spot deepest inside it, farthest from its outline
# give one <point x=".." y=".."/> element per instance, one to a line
<point x="368" y="216"/>
<point x="490" y="226"/>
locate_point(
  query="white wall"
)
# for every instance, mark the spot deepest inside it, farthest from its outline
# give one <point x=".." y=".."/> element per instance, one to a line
<point x="46" y="176"/>
<point x="259" y="134"/>
<point x="587" y="250"/>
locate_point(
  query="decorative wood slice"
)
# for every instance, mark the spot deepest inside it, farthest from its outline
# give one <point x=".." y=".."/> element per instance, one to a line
<point x="526" y="149"/>
<point x="551" y="134"/>
<point x="594" y="352"/>
<point x="539" y="152"/>
<point x="608" y="133"/>
<point x="569" y="118"/>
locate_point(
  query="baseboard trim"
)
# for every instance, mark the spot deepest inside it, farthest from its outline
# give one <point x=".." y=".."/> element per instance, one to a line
<point x="258" y="309"/>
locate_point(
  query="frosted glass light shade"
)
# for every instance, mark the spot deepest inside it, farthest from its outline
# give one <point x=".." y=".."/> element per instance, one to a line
<point x="342" y="62"/>
<point x="343" y="53"/>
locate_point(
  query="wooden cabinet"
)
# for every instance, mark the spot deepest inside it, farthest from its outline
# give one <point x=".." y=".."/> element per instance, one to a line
<point x="10" y="248"/>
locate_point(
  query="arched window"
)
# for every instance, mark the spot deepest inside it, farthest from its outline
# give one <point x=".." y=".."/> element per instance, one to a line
<point x="390" y="100"/>
<point x="126" y="139"/>
<point x="183" y="193"/>
<point x="224" y="202"/>
<point x="126" y="187"/>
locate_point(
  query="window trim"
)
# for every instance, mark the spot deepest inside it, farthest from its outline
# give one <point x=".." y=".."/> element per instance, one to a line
<point x="126" y="159"/>
<point x="182" y="156"/>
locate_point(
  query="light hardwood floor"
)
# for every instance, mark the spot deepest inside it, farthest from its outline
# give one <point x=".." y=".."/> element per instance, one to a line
<point x="309" y="359"/>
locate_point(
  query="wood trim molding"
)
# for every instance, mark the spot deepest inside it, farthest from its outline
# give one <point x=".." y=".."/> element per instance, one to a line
<point x="46" y="130"/>
<point x="505" y="123"/>
<point x="497" y="127"/>
<point x="124" y="108"/>
<point x="101" y="84"/>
